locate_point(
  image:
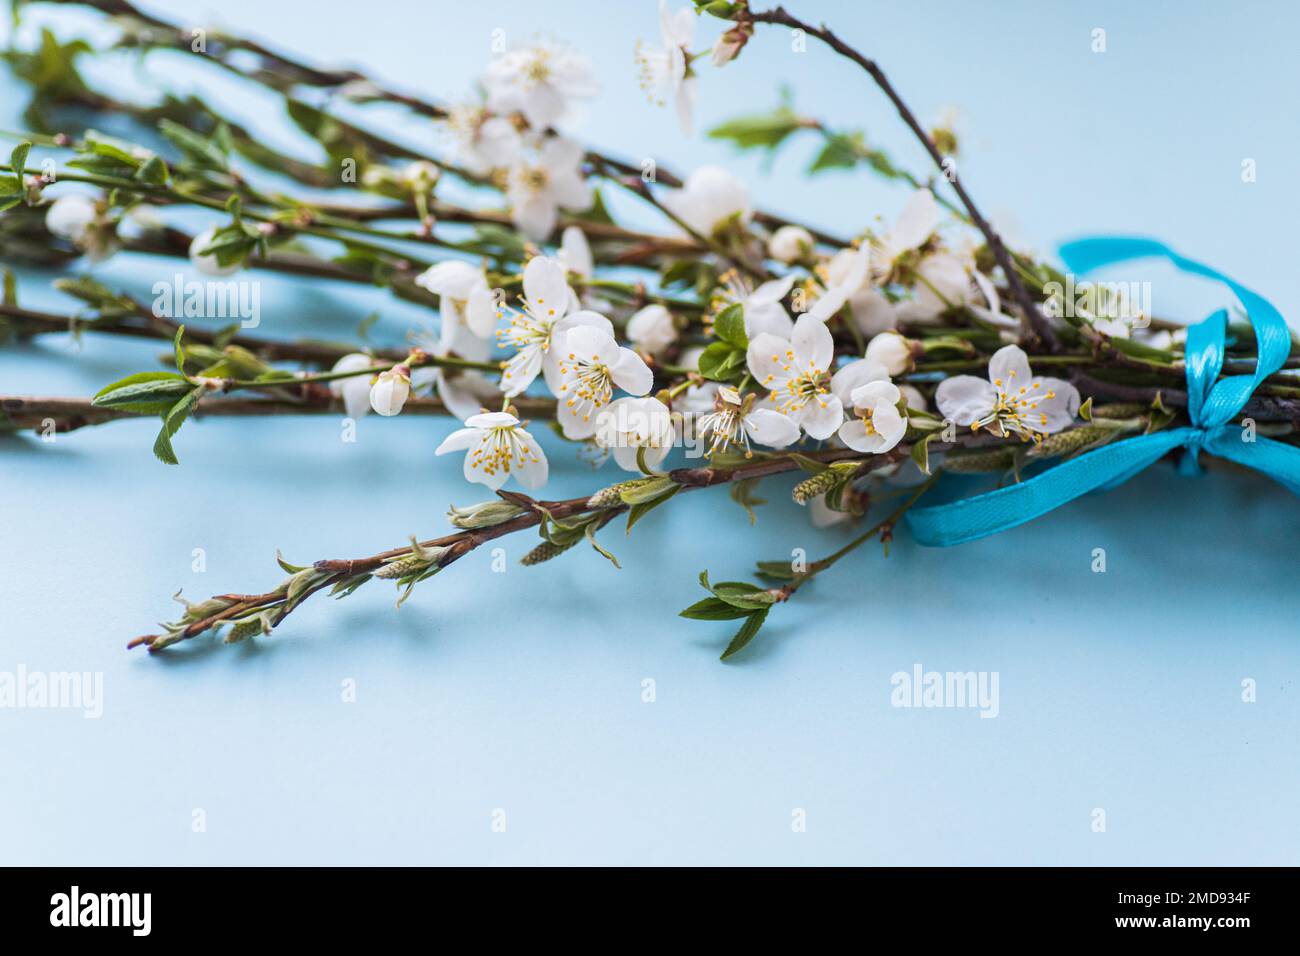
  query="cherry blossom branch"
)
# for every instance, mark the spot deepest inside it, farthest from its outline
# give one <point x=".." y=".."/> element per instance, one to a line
<point x="1038" y="322"/>
<point x="280" y="72"/>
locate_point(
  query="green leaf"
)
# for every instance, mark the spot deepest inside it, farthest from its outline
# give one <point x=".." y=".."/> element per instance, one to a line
<point x="729" y="326"/>
<point x="172" y="421"/>
<point x="590" y="532"/>
<point x="18" y="159"/>
<point x="10" y="186"/>
<point x="642" y="508"/>
<point x="721" y="362"/>
<point x="640" y="490"/>
<point x="742" y="493"/>
<point x="180" y="350"/>
<point x="921" y="452"/>
<point x="10" y="288"/>
<point x="1142" y="351"/>
<point x="142" y="387"/>
<point x="810" y="465"/>
<point x="202" y="152"/>
<point x="777" y="570"/>
<point x="741" y="594"/>
<point x="96" y="143"/>
<point x="759" y="131"/>
<point x="842" y="151"/>
<point x="713" y="609"/>
<point x="96" y="294"/>
<point x="748" y="631"/>
<point x="154" y="172"/>
<point x="286" y="566"/>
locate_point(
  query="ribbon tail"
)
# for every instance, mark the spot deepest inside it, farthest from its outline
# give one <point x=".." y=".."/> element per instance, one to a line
<point x="1278" y="460"/>
<point x="944" y="525"/>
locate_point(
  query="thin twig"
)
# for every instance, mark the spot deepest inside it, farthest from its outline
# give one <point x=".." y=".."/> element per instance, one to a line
<point x="1038" y="322"/>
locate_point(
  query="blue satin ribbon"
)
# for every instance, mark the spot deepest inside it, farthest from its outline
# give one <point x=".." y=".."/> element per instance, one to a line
<point x="1211" y="404"/>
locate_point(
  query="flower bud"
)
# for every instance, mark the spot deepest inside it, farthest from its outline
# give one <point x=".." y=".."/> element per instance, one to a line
<point x="790" y="244"/>
<point x="487" y="514"/>
<point x="391" y="390"/>
<point x="729" y="45"/>
<point x="651" y="329"/>
<point x="420" y="176"/>
<point x="207" y="263"/>
<point x="892" y="351"/>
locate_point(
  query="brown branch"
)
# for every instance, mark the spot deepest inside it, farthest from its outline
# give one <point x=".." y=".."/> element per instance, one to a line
<point x="462" y="542"/>
<point x="1038" y="322"/>
<point x="147" y="326"/>
<point x="69" y="414"/>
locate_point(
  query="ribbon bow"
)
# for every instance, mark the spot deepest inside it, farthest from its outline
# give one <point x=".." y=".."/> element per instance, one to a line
<point x="1211" y="404"/>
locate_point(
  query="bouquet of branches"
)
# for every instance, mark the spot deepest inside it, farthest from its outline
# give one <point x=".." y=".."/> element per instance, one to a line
<point x="854" y="371"/>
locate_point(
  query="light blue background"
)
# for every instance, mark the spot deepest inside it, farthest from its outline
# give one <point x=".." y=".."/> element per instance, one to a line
<point x="522" y="691"/>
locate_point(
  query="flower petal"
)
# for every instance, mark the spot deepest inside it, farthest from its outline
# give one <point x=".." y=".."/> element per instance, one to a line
<point x="1058" y="407"/>
<point x="459" y="440"/>
<point x="964" y="398"/>
<point x="854" y="375"/>
<point x="771" y="428"/>
<point x="875" y="395"/>
<point x="769" y="359"/>
<point x="919" y="218"/>
<point x="533" y="470"/>
<point x="813" y="345"/>
<point x="1009" y="368"/>
<point x="821" y="417"/>
<point x="545" y="287"/>
<point x="630" y="373"/>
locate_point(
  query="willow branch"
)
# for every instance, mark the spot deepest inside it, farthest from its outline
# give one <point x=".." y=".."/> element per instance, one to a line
<point x="463" y="542"/>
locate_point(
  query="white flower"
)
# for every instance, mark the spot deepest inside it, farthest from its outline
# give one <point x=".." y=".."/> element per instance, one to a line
<point x="497" y="446"/>
<point x="1013" y="400"/>
<point x="483" y="142"/>
<point x="877" y="425"/>
<point x="70" y="217"/>
<point x="915" y="224"/>
<point x="207" y="262"/>
<point x="355" y="391"/>
<point x="77" y="218"/>
<point x="735" y="421"/>
<point x="848" y="280"/>
<point x="391" y="390"/>
<point x="797" y="373"/>
<point x="591" y="363"/>
<point x="627" y="425"/>
<point x="651" y="329"/>
<point x="944" y="281"/>
<point x="790" y="244"/>
<point x="542" y="183"/>
<point x="711" y="198"/>
<point x="538" y="81"/>
<point x="667" y="72"/>
<point x="469" y="311"/>
<point x="892" y="351"/>
<point x="547" y="313"/>
<point x="762" y="306"/>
